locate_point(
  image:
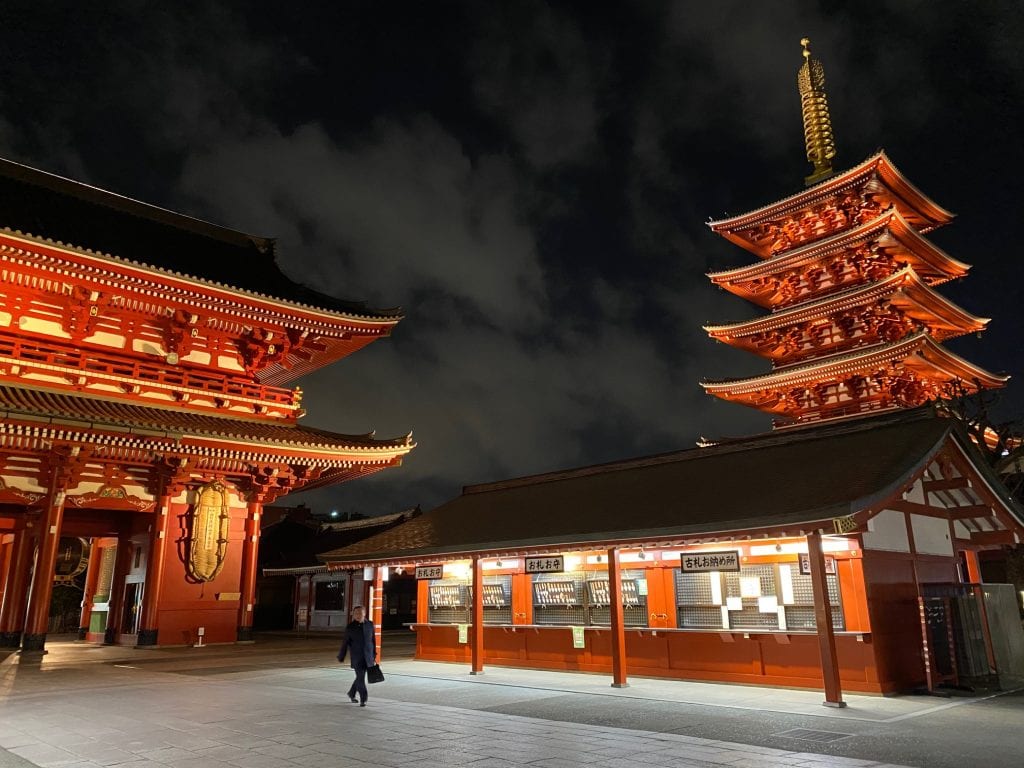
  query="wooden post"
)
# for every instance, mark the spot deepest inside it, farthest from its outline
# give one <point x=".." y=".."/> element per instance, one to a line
<point x="159" y="533"/>
<point x="6" y="555"/>
<point x="38" y="618"/>
<point x="618" y="626"/>
<point x="477" y="640"/>
<point x="92" y="576"/>
<point x="115" y="604"/>
<point x="247" y="577"/>
<point x="12" y="616"/>
<point x="377" y="607"/>
<point x="973" y="566"/>
<point x="823" y="622"/>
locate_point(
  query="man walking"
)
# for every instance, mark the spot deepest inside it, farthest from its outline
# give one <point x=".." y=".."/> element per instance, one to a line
<point x="360" y="641"/>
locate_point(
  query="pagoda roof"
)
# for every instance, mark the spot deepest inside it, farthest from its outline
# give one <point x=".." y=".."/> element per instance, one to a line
<point x="904" y="289"/>
<point x="97" y="420"/>
<point x="930" y="262"/>
<point x="917" y="351"/>
<point x="64" y="211"/>
<point x="913" y="204"/>
<point x="677" y="498"/>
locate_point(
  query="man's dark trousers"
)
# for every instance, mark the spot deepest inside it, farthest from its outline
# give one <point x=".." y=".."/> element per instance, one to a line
<point x="359" y="684"/>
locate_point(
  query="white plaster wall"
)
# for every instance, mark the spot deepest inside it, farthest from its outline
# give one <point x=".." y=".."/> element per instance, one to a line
<point x="931" y="535"/>
<point x="916" y="494"/>
<point x="887" y="531"/>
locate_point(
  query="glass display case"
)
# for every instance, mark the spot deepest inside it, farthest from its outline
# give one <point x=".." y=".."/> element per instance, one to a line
<point x="583" y="599"/>
<point x="451" y="601"/>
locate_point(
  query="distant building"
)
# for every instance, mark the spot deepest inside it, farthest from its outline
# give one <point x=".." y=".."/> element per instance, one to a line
<point x="296" y="590"/>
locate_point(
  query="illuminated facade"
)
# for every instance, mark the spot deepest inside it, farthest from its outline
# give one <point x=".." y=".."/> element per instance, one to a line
<point x="856" y="324"/>
<point x="145" y="359"/>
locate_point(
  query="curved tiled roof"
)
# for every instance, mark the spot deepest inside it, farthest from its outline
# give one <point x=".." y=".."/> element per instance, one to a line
<point x="18" y="404"/>
<point x="879" y="164"/>
<point x="944" y="266"/>
<point x="905" y="279"/>
<point x="859" y="360"/>
<point x="68" y="212"/>
<point x="677" y="496"/>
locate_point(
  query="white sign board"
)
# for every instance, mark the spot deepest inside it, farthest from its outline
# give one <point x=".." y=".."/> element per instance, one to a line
<point x="546" y="564"/>
<point x="705" y="562"/>
<point x="429" y="571"/>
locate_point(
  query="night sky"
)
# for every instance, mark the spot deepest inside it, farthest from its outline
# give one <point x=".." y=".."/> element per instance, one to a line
<point x="530" y="182"/>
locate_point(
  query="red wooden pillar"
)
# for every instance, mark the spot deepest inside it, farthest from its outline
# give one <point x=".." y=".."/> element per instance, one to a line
<point x="823" y="621"/>
<point x="158" y="535"/>
<point x="377" y="607"/>
<point x="92" y="577"/>
<point x="247" y="580"/>
<point x="37" y="619"/>
<point x="973" y="566"/>
<point x="618" y="626"/>
<point x="477" y="640"/>
<point x="115" y="603"/>
<point x="12" y="615"/>
<point x="6" y="554"/>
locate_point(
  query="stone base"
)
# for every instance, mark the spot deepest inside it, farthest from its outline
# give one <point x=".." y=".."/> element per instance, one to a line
<point x="109" y="637"/>
<point x="244" y="635"/>
<point x="83" y="632"/>
<point x="33" y="643"/>
<point x="146" y="637"/>
<point x="10" y="639"/>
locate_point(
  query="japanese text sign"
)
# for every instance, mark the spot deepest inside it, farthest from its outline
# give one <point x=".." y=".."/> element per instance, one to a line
<point x="546" y="564"/>
<point x="429" y="571"/>
<point x="705" y="562"/>
<point x="805" y="564"/>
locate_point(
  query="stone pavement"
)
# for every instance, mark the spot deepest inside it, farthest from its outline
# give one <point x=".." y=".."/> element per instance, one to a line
<point x="252" y="707"/>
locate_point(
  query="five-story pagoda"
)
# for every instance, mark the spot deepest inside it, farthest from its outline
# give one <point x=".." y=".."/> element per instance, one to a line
<point x="856" y="324"/>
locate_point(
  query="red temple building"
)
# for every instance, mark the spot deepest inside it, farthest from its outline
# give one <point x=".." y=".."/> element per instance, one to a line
<point x="856" y="324"/>
<point x="146" y="407"/>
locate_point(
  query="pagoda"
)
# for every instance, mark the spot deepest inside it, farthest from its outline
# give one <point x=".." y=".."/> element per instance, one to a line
<point x="856" y="325"/>
<point x="148" y="411"/>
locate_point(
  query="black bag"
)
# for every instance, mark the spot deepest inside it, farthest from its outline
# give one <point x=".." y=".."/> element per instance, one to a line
<point x="374" y="675"/>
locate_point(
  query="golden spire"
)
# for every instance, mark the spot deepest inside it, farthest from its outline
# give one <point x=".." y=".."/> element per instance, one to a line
<point x="821" y="147"/>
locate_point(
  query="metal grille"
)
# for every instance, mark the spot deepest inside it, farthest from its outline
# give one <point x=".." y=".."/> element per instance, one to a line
<point x="802" y="617"/>
<point x="632" y="616"/>
<point x="806" y="734"/>
<point x="752" y="618"/>
<point x="449" y="616"/>
<point x="571" y="616"/>
<point x="693" y="589"/>
<point x="695" y="608"/>
<point x="494" y="615"/>
<point x="699" y="617"/>
<point x="803" y="589"/>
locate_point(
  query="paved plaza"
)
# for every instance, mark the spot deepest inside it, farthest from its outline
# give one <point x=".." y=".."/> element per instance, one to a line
<point x="282" y="703"/>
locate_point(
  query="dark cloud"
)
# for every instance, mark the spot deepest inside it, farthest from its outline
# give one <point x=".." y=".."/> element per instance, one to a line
<point x="530" y="181"/>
